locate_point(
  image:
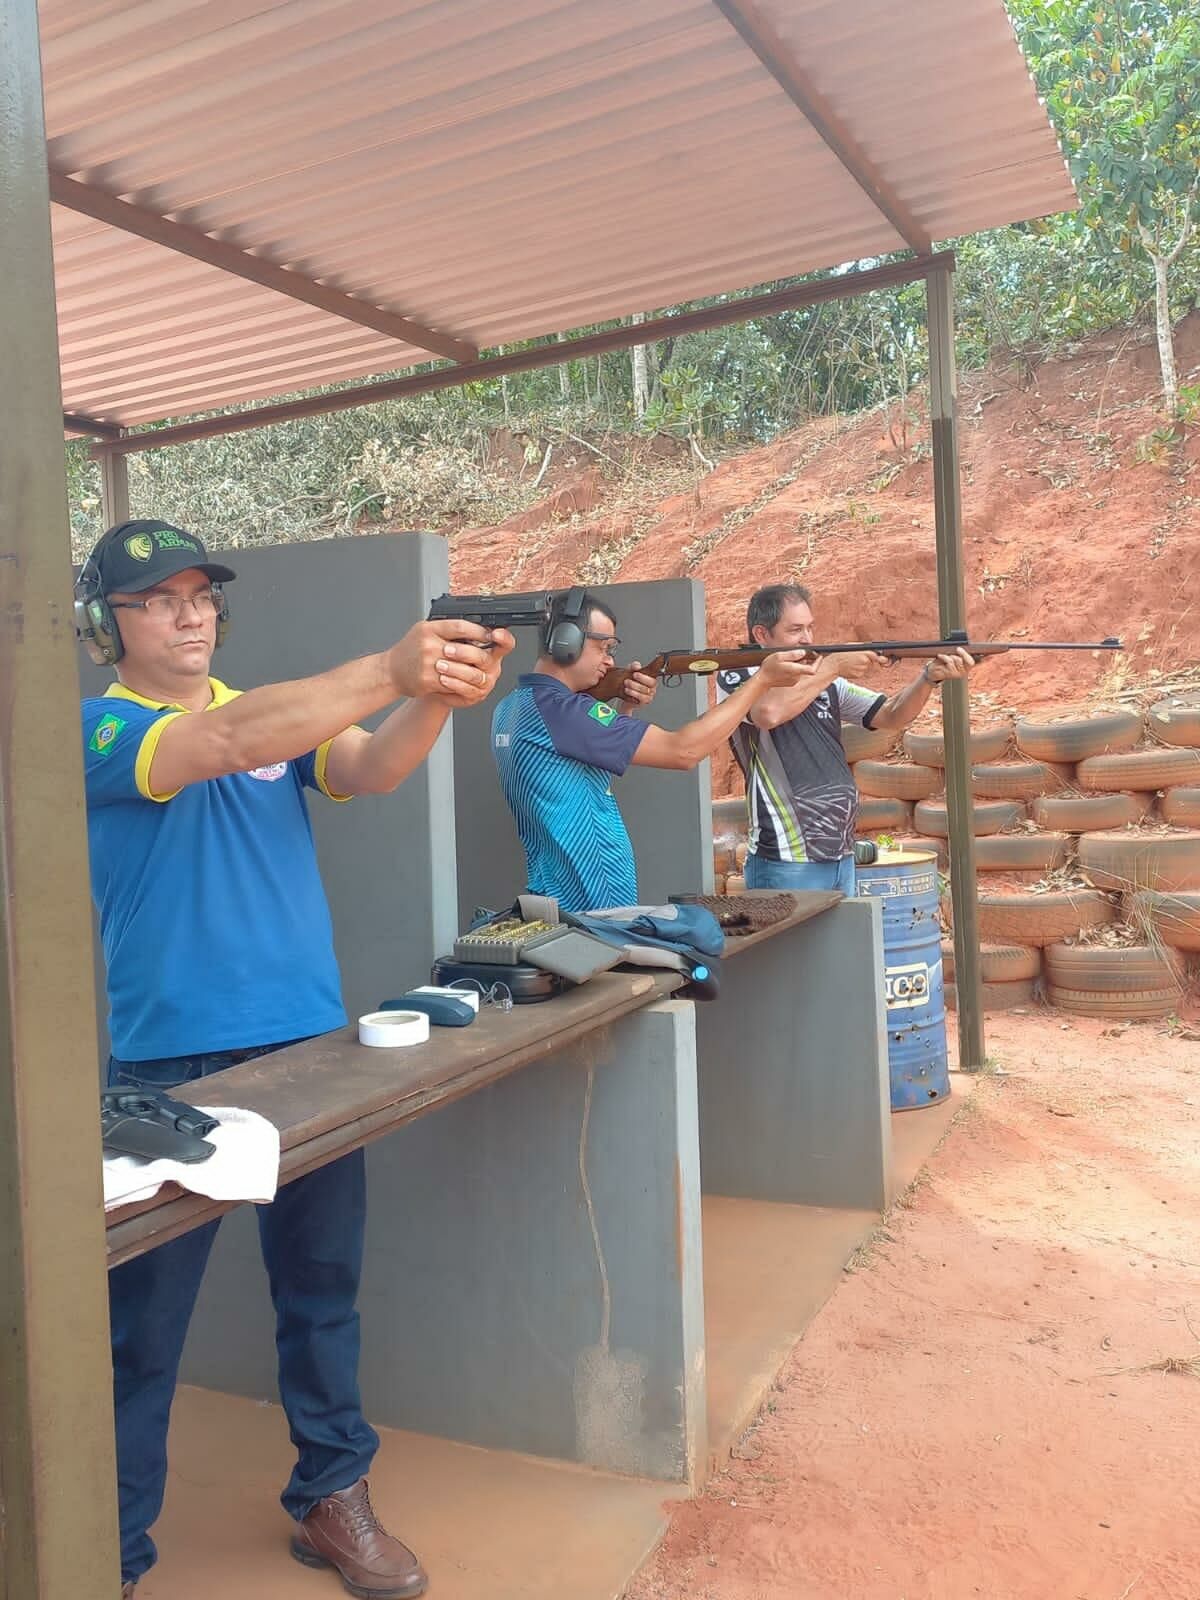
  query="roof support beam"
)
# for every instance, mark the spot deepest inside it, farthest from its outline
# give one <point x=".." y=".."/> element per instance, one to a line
<point x="770" y="50"/>
<point x="129" y="218"/>
<point x="114" y="490"/>
<point x="58" y="1491"/>
<point x="956" y="712"/>
<point x="841" y="286"/>
<point x="74" y="423"/>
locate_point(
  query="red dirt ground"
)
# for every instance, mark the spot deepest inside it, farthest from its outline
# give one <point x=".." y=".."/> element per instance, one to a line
<point x="981" y="1410"/>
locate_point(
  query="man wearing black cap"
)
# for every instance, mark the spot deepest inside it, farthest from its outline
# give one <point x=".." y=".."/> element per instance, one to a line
<point x="218" y="948"/>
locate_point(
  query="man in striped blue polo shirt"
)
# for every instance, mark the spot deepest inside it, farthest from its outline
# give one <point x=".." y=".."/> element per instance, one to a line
<point x="218" y="948"/>
<point x="557" y="750"/>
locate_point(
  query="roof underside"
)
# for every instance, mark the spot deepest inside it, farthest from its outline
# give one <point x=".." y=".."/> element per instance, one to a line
<point x="492" y="170"/>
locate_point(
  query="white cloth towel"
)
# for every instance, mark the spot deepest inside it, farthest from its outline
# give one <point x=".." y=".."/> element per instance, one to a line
<point x="244" y="1165"/>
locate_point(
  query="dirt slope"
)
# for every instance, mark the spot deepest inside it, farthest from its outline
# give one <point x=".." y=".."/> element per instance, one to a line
<point x="1068" y="532"/>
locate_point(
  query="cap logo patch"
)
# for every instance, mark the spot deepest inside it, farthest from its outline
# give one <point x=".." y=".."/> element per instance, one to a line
<point x="140" y="546"/>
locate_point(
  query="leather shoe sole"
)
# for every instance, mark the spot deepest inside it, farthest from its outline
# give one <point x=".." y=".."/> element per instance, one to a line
<point x="408" y="1590"/>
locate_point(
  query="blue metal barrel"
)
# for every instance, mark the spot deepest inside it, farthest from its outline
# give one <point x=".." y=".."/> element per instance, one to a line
<point x="906" y="883"/>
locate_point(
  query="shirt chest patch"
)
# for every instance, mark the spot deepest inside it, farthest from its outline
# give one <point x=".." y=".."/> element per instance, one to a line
<point x="271" y="774"/>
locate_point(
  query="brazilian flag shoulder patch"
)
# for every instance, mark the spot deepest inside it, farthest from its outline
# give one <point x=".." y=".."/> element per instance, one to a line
<point x="602" y="713"/>
<point x="104" y="736"/>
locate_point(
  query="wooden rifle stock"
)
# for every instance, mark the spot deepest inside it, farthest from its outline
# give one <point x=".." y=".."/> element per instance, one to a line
<point x="674" y="665"/>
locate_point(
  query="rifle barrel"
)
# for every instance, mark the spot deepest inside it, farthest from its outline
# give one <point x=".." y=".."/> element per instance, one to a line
<point x="885" y="647"/>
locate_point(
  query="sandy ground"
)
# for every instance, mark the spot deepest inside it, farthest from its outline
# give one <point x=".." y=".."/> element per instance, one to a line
<point x="998" y="1401"/>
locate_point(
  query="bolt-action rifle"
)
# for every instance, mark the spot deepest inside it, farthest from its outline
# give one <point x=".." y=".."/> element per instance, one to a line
<point x="672" y="666"/>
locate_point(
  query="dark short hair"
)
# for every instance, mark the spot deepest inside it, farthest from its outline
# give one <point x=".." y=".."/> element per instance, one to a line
<point x="591" y="604"/>
<point x="766" y="605"/>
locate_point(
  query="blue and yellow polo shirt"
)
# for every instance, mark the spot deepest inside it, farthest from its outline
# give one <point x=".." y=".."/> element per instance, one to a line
<point x="215" y="926"/>
<point x="556" y="752"/>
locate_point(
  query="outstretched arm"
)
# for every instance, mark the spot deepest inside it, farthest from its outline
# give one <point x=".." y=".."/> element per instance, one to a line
<point x="907" y="705"/>
<point x="684" y="748"/>
<point x="781" y="705"/>
<point x="434" y="665"/>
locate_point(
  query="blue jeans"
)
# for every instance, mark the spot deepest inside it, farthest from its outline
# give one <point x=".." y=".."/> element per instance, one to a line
<point x="762" y="874"/>
<point x="312" y="1245"/>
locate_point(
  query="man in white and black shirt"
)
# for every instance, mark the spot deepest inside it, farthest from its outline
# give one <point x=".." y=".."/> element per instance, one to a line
<point x="799" y="788"/>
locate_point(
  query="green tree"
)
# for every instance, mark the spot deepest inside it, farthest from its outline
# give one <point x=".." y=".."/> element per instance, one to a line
<point x="1121" y="79"/>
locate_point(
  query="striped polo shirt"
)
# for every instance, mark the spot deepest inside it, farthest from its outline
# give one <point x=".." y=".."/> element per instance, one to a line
<point x="556" y="752"/>
<point x="800" y="792"/>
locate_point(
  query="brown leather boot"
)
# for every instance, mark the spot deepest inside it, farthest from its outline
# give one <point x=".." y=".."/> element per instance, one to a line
<point x="342" y="1531"/>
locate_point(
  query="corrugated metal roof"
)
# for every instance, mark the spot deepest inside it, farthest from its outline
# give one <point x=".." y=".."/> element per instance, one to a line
<point x="492" y="169"/>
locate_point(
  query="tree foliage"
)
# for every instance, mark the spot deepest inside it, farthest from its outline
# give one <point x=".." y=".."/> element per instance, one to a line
<point x="1121" y="80"/>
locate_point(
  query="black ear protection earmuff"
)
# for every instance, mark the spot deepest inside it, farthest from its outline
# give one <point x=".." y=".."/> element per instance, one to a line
<point x="566" y="635"/>
<point x="96" y="626"/>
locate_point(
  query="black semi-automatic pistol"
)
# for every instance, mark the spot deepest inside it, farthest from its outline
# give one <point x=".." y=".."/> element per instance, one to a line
<point x="136" y="1122"/>
<point x="494" y="610"/>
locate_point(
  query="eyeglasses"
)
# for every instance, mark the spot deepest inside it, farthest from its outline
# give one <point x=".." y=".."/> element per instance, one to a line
<point x="608" y="641"/>
<point x="499" y="995"/>
<point x="170" y="607"/>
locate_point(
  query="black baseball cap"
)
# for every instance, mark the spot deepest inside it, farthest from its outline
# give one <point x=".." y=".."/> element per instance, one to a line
<point x="136" y="555"/>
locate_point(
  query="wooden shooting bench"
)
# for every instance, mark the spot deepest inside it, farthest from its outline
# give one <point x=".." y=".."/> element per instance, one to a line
<point x="534" y="1260"/>
<point x="331" y="1094"/>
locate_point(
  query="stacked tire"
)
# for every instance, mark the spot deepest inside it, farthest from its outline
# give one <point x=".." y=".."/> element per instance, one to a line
<point x="1131" y="777"/>
<point x="1126" y="982"/>
<point x="1081" y="786"/>
<point x="1001" y="789"/>
<point x="1009" y="976"/>
<point x="1119" y="791"/>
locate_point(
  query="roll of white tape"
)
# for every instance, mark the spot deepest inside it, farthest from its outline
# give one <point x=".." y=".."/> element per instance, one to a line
<point x="388" y="1029"/>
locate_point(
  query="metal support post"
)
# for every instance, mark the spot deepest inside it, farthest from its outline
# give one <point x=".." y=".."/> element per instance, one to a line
<point x="956" y="718"/>
<point x="114" y="488"/>
<point x="58" y="1525"/>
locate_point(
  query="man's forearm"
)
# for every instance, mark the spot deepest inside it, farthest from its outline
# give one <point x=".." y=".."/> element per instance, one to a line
<point x="377" y="763"/>
<point x="778" y="706"/>
<point x="905" y="706"/>
<point x="700" y="738"/>
<point x="281" y="721"/>
<point x="278" y="722"/>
